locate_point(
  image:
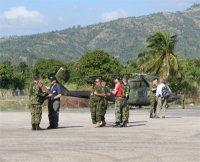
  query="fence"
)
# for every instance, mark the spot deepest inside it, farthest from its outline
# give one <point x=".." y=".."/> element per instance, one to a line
<point x="13" y="93"/>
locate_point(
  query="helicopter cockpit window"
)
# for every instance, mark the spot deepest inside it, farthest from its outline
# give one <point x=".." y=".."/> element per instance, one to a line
<point x="137" y="84"/>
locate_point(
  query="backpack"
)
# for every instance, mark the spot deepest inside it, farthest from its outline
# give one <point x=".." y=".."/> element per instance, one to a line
<point x="166" y="93"/>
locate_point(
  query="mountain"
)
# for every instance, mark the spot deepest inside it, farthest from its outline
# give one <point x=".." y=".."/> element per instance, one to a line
<point x="124" y="38"/>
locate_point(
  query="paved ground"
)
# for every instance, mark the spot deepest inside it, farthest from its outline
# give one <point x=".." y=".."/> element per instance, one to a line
<point x="173" y="139"/>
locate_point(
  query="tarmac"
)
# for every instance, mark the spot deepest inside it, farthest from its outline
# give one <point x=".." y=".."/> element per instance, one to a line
<point x="175" y="138"/>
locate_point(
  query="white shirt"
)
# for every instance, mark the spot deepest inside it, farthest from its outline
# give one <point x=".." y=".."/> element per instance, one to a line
<point x="159" y="90"/>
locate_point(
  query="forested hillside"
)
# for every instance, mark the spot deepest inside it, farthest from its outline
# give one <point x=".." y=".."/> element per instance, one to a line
<point x="123" y="38"/>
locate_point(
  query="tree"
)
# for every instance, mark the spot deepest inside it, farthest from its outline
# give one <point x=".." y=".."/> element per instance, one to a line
<point x="162" y="44"/>
<point x="97" y="63"/>
<point x="22" y="67"/>
<point x="44" y="68"/>
<point x="6" y="74"/>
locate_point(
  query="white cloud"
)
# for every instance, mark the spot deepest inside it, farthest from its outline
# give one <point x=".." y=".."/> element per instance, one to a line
<point x="193" y="1"/>
<point x="21" y="18"/>
<point x="20" y="12"/>
<point x="107" y="16"/>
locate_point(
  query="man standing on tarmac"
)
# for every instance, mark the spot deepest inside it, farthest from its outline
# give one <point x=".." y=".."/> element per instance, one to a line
<point x="54" y="102"/>
<point x="97" y="108"/>
<point x="161" y="99"/>
<point x="36" y="99"/>
<point x="105" y="105"/>
<point x="125" y="107"/>
<point x="118" y="102"/>
<point x="153" y="97"/>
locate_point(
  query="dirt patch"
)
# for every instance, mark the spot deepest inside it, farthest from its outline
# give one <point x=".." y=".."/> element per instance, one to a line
<point x="72" y="102"/>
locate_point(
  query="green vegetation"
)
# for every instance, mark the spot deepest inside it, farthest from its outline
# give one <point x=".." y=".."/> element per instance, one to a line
<point x="147" y="44"/>
<point x="11" y="107"/>
<point x="164" y="62"/>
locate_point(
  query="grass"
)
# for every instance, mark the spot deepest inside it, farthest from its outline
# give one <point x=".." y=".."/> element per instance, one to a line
<point x="12" y="107"/>
<point x="72" y="86"/>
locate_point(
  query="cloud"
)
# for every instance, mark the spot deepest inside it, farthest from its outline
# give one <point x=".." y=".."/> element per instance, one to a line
<point x="193" y="1"/>
<point x="108" y="16"/>
<point x="167" y="5"/>
<point x="22" y="18"/>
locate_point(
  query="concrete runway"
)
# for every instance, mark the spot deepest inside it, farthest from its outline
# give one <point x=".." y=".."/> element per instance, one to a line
<point x="173" y="139"/>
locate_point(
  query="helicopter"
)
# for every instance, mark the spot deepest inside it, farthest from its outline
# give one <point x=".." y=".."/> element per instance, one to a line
<point x="139" y="94"/>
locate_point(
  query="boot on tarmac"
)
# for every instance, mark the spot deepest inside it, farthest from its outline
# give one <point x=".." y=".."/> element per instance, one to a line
<point x="37" y="127"/>
<point x="33" y="127"/>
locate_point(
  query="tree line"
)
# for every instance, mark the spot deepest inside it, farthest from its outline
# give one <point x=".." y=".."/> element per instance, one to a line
<point x="159" y="58"/>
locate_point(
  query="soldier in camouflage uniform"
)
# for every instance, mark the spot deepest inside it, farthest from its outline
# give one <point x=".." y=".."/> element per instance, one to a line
<point x="153" y="97"/>
<point x="92" y="105"/>
<point x="118" y="102"/>
<point x="125" y="107"/>
<point x="97" y="104"/>
<point x="36" y="99"/>
<point x="105" y="105"/>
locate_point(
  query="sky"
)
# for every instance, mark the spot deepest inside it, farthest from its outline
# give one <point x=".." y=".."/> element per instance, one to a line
<point x="26" y="17"/>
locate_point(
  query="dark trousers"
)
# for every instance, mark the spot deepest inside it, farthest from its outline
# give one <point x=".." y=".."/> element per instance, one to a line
<point x="53" y="109"/>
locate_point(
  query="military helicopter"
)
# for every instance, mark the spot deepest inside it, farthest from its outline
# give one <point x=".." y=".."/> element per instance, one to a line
<point x="139" y="89"/>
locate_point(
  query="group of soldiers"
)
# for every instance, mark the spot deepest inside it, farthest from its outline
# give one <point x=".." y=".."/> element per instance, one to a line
<point x="38" y="93"/>
<point x="99" y="102"/>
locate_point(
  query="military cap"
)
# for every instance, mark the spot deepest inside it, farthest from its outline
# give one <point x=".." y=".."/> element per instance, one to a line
<point x="36" y="77"/>
<point x="52" y="77"/>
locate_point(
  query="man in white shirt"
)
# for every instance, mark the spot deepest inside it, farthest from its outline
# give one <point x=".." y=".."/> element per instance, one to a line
<point x="161" y="101"/>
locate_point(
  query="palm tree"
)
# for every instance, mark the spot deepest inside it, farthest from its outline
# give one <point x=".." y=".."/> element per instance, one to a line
<point x="162" y="44"/>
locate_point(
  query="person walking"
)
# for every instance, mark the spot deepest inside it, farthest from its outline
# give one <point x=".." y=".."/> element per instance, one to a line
<point x="36" y="99"/>
<point x="162" y="93"/>
<point x="54" y="102"/>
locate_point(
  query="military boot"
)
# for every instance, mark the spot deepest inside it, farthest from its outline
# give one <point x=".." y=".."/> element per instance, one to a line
<point x="124" y="124"/>
<point x="151" y="115"/>
<point x="94" y="121"/>
<point x="37" y="127"/>
<point x="33" y="127"/>
<point x="98" y="125"/>
<point x="103" y="123"/>
<point x="117" y="124"/>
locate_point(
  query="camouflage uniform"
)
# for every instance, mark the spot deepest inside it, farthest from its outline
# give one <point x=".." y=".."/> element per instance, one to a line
<point x="153" y="101"/>
<point x="125" y="107"/>
<point x="97" y="105"/>
<point x="92" y="105"/>
<point x="105" y="103"/>
<point x="36" y="99"/>
<point x="118" y="109"/>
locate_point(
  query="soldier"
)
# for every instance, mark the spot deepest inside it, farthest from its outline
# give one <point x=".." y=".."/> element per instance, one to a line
<point x="92" y="105"/>
<point x="125" y="107"/>
<point x="118" y="92"/>
<point x="98" y="103"/>
<point x="36" y="98"/>
<point x="105" y="105"/>
<point x="54" y="102"/>
<point x="153" y="97"/>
